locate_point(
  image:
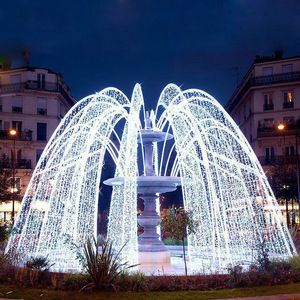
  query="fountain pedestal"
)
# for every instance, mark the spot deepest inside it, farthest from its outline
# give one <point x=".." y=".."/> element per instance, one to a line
<point x="151" y="249"/>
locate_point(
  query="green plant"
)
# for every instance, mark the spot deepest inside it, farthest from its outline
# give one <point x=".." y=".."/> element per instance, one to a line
<point x="75" y="281"/>
<point x="40" y="263"/>
<point x="103" y="267"/>
<point x="178" y="223"/>
<point x="131" y="281"/>
<point x="236" y="273"/>
<point x="262" y="250"/>
<point x="295" y="263"/>
<point x="4" y="235"/>
<point x="173" y="242"/>
<point x="8" y="263"/>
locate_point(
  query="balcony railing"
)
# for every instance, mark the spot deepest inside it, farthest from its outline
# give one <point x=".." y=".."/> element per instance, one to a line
<point x="20" y="136"/>
<point x="276" y="78"/>
<point x="259" y="81"/>
<point x="277" y="160"/>
<point x="273" y="131"/>
<point x="20" y="163"/>
<point x="288" y="104"/>
<point x="268" y="106"/>
<point x="37" y="86"/>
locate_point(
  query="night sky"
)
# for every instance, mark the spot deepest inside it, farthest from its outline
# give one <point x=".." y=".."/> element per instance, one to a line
<point x="202" y="44"/>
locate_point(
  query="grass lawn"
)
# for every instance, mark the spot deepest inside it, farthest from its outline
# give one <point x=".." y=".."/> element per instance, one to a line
<point x="30" y="293"/>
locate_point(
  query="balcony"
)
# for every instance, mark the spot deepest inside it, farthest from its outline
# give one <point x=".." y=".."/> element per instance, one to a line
<point x="275" y="78"/>
<point x="288" y="105"/>
<point x="268" y="106"/>
<point x="20" y="163"/>
<point x="17" y="109"/>
<point x="273" y="131"/>
<point x="37" y="86"/>
<point x="20" y="136"/>
<point x="277" y="160"/>
<point x="41" y="111"/>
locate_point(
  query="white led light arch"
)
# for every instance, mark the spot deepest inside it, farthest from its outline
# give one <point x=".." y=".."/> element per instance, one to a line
<point x="222" y="182"/>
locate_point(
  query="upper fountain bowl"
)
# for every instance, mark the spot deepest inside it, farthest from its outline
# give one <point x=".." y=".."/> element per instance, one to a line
<point x="150" y="184"/>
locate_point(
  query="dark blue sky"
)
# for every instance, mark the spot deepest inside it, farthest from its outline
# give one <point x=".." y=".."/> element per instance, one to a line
<point x="199" y="44"/>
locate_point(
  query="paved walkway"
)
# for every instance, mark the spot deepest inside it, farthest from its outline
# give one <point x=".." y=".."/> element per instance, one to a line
<point x="273" y="297"/>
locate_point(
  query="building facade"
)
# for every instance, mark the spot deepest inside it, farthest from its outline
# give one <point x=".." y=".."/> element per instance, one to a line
<point x="32" y="102"/>
<point x="269" y="96"/>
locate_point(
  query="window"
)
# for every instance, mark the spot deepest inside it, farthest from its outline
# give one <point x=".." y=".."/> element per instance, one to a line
<point x="268" y="102"/>
<point x="288" y="99"/>
<point x="41" y="108"/>
<point x="17" y="105"/>
<point x="62" y="111"/>
<point x="38" y="154"/>
<point x="289" y="151"/>
<point x="17" y="125"/>
<point x="41" y="132"/>
<point x="287" y="68"/>
<point x="288" y="96"/>
<point x="268" y="122"/>
<point x="15" y="187"/>
<point x="0" y="104"/>
<point x="41" y="80"/>
<point x="270" y="154"/>
<point x="267" y="71"/>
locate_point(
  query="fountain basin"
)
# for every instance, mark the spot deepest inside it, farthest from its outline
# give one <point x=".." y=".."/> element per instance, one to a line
<point x="150" y="184"/>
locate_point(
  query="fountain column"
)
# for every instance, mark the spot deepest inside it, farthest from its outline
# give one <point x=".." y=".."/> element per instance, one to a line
<point x="151" y="248"/>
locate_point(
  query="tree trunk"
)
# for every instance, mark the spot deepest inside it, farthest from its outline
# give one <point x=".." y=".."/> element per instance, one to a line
<point x="184" y="258"/>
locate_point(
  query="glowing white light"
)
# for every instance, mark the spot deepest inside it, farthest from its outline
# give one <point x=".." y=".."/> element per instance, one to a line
<point x="223" y="183"/>
<point x="40" y="205"/>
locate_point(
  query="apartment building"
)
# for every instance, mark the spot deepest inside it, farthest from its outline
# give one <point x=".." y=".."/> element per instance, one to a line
<point x="269" y="96"/>
<point x="32" y="102"/>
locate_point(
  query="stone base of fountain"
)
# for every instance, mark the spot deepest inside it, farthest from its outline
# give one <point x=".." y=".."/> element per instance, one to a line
<point x="154" y="258"/>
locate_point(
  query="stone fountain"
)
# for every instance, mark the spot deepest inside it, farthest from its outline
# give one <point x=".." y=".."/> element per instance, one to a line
<point x="152" y="251"/>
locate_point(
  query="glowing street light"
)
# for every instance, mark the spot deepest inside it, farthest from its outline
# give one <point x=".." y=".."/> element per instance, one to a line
<point x="281" y="126"/>
<point x="13" y="134"/>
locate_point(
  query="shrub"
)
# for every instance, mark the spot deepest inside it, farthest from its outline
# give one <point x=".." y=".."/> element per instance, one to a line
<point x="131" y="282"/>
<point x="295" y="263"/>
<point x="169" y="241"/>
<point x="235" y="273"/>
<point x="103" y="268"/>
<point x="75" y="281"/>
<point x="40" y="263"/>
<point x="4" y="235"/>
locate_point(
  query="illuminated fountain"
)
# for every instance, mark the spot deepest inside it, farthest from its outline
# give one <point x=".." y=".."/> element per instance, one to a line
<point x="189" y="141"/>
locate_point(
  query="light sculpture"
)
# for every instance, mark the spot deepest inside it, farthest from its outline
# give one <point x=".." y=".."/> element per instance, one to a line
<point x="222" y="181"/>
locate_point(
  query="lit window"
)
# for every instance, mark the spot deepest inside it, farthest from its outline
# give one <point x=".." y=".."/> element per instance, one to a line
<point x="14" y="188"/>
<point x="288" y="97"/>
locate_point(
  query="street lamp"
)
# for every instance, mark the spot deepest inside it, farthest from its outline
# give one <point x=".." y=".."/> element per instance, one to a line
<point x="13" y="134"/>
<point x="281" y="127"/>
